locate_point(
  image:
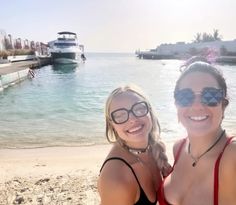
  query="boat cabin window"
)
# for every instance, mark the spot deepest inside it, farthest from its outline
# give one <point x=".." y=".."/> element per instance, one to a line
<point x="64" y="44"/>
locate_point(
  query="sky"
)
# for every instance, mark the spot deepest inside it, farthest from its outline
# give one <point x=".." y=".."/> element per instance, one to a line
<point x="118" y="25"/>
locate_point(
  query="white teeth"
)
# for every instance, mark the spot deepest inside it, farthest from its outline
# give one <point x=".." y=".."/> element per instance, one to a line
<point x="198" y="118"/>
<point x="134" y="129"/>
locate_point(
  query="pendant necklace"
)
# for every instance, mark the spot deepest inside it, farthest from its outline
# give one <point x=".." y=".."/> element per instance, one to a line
<point x="196" y="159"/>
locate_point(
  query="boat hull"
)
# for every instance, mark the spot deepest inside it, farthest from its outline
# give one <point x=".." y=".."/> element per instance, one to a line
<point x="65" y="58"/>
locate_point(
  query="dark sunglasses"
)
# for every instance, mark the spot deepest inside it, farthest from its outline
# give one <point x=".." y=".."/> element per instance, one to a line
<point x="209" y="96"/>
<point x="121" y="115"/>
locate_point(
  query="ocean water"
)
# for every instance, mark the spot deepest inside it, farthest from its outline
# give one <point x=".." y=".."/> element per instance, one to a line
<point x="64" y="106"/>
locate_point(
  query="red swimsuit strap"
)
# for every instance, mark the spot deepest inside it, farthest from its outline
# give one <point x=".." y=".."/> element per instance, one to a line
<point x="179" y="151"/>
<point x="161" y="194"/>
<point x="216" y="173"/>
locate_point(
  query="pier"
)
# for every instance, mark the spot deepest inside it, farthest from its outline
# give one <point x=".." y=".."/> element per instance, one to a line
<point x="226" y="60"/>
<point x="12" y="73"/>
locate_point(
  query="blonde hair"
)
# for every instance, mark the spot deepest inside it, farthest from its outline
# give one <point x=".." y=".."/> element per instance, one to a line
<point x="111" y="134"/>
<point x="154" y="135"/>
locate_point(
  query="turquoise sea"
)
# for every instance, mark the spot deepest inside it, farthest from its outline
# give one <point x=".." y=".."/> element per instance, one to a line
<point x="64" y="106"/>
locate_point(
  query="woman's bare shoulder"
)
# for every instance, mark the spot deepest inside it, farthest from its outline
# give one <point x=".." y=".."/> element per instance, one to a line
<point x="229" y="155"/>
<point x="116" y="184"/>
<point x="177" y="145"/>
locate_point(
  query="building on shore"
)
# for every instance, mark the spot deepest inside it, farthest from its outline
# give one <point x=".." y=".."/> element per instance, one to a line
<point x="11" y="46"/>
<point x="2" y="40"/>
<point x="193" y="48"/>
<point x="183" y="50"/>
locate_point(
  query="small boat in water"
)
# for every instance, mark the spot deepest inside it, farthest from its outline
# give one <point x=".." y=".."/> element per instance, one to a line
<point x="65" y="50"/>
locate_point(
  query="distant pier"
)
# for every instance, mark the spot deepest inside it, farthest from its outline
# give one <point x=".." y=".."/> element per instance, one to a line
<point x="226" y="59"/>
<point x="155" y="56"/>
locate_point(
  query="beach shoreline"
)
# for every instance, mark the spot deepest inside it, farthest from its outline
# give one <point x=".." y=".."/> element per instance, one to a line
<point x="51" y="175"/>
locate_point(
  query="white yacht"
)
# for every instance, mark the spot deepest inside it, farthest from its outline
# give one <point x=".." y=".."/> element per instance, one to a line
<point x="65" y="50"/>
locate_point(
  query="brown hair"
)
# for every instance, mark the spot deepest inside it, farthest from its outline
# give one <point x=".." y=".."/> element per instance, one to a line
<point x="204" y="67"/>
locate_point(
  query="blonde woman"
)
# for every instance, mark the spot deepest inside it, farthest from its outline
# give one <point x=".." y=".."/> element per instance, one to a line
<point x="130" y="175"/>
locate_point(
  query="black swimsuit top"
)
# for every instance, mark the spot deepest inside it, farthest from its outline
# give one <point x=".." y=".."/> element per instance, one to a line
<point x="143" y="200"/>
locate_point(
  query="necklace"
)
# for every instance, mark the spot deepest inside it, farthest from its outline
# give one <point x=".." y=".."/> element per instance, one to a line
<point x="144" y="163"/>
<point x="136" y="151"/>
<point x="196" y="159"/>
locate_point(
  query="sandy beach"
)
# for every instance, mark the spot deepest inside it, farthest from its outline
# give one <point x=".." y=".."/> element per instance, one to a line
<point x="54" y="175"/>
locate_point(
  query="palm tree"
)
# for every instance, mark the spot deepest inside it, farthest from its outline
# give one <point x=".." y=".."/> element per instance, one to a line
<point x="216" y="35"/>
<point x="197" y="38"/>
<point x="207" y="37"/>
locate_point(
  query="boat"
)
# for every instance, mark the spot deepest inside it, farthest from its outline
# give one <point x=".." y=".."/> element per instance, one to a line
<point x="65" y="50"/>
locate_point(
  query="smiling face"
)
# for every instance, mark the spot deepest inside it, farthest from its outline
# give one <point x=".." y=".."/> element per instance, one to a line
<point x="199" y="119"/>
<point x="135" y="131"/>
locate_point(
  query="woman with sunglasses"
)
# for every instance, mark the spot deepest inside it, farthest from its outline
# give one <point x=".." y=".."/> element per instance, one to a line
<point x="204" y="170"/>
<point x="129" y="174"/>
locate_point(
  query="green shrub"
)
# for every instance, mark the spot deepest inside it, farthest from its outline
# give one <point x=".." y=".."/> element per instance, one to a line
<point x="4" y="54"/>
<point x="15" y="52"/>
